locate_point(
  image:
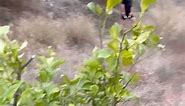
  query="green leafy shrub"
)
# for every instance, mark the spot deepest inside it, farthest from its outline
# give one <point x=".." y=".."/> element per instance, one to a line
<point x="102" y="81"/>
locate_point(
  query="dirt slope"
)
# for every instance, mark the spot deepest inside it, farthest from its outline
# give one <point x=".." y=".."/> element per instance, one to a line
<point x="162" y="74"/>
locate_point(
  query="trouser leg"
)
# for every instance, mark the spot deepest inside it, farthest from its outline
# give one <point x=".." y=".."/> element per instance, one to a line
<point x="127" y="10"/>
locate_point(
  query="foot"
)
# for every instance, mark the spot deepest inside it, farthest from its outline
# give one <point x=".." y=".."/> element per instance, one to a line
<point x="124" y="17"/>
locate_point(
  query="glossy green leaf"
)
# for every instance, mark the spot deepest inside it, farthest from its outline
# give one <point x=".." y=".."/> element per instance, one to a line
<point x="114" y="45"/>
<point x="118" y="88"/>
<point x="127" y="61"/>
<point x="44" y="76"/>
<point x="94" y="89"/>
<point x="111" y="61"/>
<point x="1" y="69"/>
<point x="126" y="54"/>
<point x="145" y="5"/>
<point x="26" y="96"/>
<point x="127" y="57"/>
<point x="10" y="91"/>
<point x="110" y="5"/>
<point x="103" y="53"/>
<point x="141" y="49"/>
<point x="95" y="8"/>
<point x="50" y="88"/>
<point x="71" y="105"/>
<point x="149" y="28"/>
<point x="115" y="31"/>
<point x="2" y="45"/>
<point x="92" y="62"/>
<point x="154" y="39"/>
<point x="143" y="37"/>
<point x="57" y="63"/>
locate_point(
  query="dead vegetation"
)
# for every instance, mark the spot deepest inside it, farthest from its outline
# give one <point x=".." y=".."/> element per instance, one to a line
<point x="21" y="5"/>
<point x="79" y="30"/>
<point x="74" y="31"/>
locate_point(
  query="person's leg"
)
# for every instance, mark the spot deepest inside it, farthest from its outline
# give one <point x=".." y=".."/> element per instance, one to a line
<point x="127" y="10"/>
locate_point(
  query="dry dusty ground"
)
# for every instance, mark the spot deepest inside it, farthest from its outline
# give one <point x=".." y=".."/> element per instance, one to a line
<point x="162" y="74"/>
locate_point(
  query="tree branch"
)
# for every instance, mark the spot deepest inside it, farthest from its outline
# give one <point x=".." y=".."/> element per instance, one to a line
<point x="121" y="46"/>
<point x="102" y="28"/>
<point x="19" y="73"/>
<point x="127" y="83"/>
<point x="28" y="62"/>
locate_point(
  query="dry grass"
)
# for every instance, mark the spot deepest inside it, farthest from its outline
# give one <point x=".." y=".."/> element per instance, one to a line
<point x="168" y="16"/>
<point x="38" y="29"/>
<point x="79" y="30"/>
<point x="73" y="38"/>
<point x="76" y="30"/>
<point x="163" y="72"/>
<point x="21" y="5"/>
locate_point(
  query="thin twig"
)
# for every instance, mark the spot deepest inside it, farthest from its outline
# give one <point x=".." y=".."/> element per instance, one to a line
<point x="28" y="62"/>
<point x="128" y="82"/>
<point x="19" y="73"/>
<point x="125" y="101"/>
<point x="118" y="59"/>
<point x="121" y="46"/>
<point x="102" y="28"/>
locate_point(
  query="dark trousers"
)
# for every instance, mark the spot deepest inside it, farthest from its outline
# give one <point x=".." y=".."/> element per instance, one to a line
<point x="127" y="10"/>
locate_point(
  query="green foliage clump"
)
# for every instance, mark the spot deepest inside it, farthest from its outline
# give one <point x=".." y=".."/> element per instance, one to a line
<point x="101" y="81"/>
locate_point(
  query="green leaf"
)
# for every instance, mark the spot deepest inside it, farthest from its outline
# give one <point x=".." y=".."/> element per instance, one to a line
<point x="1" y="69"/>
<point x="95" y="8"/>
<point x="71" y="105"/>
<point x="126" y="54"/>
<point x="26" y="96"/>
<point x="143" y="37"/>
<point x="50" y="88"/>
<point x="2" y="45"/>
<point x="135" y="78"/>
<point x="127" y="61"/>
<point x="94" y="89"/>
<point x="40" y="103"/>
<point x="4" y="30"/>
<point x="103" y="53"/>
<point x="149" y="28"/>
<point x="141" y="49"/>
<point x="114" y="45"/>
<point x="127" y="58"/>
<point x="44" y="76"/>
<point x="10" y="91"/>
<point x="92" y="62"/>
<point x="57" y="63"/>
<point x="115" y="31"/>
<point x="38" y="93"/>
<point x="110" y="5"/>
<point x="145" y="5"/>
<point x="154" y="39"/>
<point x="118" y="88"/>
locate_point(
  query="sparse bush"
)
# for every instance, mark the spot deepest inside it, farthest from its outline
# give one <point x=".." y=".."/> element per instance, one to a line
<point x="79" y="30"/>
<point x="76" y="30"/>
<point x="167" y="16"/>
<point x="39" y="29"/>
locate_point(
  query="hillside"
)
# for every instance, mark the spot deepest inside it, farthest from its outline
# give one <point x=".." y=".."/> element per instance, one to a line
<point x="71" y="30"/>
